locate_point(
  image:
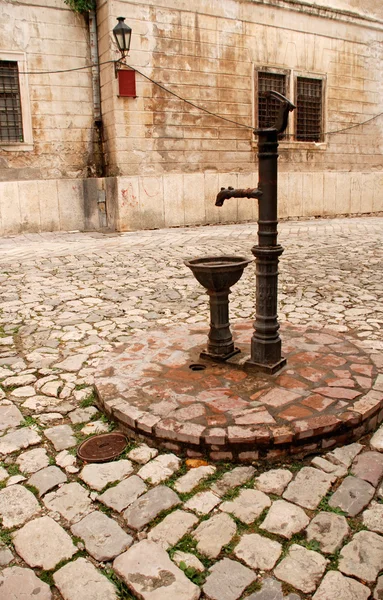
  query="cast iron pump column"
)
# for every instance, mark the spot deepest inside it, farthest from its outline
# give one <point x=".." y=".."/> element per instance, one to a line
<point x="266" y="344"/>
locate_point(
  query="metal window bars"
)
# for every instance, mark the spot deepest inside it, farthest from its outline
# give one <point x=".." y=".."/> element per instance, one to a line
<point x="11" y="125"/>
<point x="309" y="110"/>
<point x="268" y="107"/>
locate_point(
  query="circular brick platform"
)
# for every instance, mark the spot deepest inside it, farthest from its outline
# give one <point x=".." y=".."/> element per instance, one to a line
<point x="325" y="395"/>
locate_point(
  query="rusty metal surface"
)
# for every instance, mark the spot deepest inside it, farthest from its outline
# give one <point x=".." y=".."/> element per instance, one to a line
<point x="103" y="447"/>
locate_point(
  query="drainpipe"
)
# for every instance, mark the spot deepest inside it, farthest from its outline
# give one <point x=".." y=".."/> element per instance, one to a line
<point x="98" y="169"/>
<point x="95" y="68"/>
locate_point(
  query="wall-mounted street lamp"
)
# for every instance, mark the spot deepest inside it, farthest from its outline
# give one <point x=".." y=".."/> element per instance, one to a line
<point x="122" y="34"/>
<point x="126" y="76"/>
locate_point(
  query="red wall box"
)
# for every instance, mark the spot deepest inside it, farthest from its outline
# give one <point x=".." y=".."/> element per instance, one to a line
<point x="127" y="83"/>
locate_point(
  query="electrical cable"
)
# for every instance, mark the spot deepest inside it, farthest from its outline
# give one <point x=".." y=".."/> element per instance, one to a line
<point x="160" y="85"/>
<point x="107" y="62"/>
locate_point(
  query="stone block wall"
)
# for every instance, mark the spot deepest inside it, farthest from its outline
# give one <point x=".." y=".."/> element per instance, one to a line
<point x="172" y="159"/>
<point x="49" y="37"/>
<point x="209" y="56"/>
<point x="166" y="161"/>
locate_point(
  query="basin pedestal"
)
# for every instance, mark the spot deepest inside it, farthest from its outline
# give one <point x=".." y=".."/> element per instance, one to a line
<point x="218" y="274"/>
<point x="220" y="344"/>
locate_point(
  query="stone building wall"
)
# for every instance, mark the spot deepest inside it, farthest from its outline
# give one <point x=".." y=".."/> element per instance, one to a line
<point x="174" y="158"/>
<point x="164" y="160"/>
<point x="47" y="36"/>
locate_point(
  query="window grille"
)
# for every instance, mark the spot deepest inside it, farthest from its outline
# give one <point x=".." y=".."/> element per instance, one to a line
<point x="268" y="108"/>
<point x="309" y="110"/>
<point x="11" y="126"/>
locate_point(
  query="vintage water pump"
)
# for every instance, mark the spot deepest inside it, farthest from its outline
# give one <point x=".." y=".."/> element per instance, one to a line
<point x="266" y="343"/>
<point x="218" y="273"/>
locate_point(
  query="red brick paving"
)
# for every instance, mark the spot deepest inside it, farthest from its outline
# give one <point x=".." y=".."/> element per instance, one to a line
<point x="226" y="411"/>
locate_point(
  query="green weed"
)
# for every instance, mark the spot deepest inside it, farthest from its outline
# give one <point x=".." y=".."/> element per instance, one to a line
<point x="191" y="573"/>
<point x="123" y="591"/>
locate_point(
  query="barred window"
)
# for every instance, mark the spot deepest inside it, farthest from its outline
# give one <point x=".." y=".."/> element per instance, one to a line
<point x="309" y="109"/>
<point x="268" y="108"/>
<point x="11" y="125"/>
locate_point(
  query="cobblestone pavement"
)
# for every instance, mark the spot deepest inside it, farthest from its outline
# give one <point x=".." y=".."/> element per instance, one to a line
<point x="155" y="526"/>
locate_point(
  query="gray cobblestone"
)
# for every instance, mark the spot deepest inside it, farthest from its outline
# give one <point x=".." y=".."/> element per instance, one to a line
<point x="74" y="296"/>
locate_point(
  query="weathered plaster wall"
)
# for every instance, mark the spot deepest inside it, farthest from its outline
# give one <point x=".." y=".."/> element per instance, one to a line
<point x="208" y="56"/>
<point x="52" y="38"/>
<point x="165" y="161"/>
<point x="176" y="158"/>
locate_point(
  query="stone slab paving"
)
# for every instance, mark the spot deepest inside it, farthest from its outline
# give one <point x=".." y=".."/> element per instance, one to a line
<point x="248" y="506"/>
<point x="273" y="481"/>
<point x="352" y="495"/>
<point x="258" y="552"/>
<point x="373" y="517"/>
<point x="308" y="488"/>
<point x="18" y="440"/>
<point x="10" y="416"/>
<point x="47" y="479"/>
<point x="103" y="537"/>
<point x="271" y="589"/>
<point x="227" y="580"/>
<point x="67" y="300"/>
<point x="378" y="591"/>
<point x="192" y="478"/>
<point x="157" y="579"/>
<point x="363" y="556"/>
<point x="301" y="568"/>
<point x="337" y="587"/>
<point x="43" y="543"/>
<point x="212" y="535"/>
<point x="369" y="466"/>
<point x="146" y="508"/>
<point x="33" y="460"/>
<point x="172" y="528"/>
<point x="18" y="582"/>
<point x="188" y="559"/>
<point x="203" y="502"/>
<point x="80" y="580"/>
<point x="285" y="519"/>
<point x="329" y="530"/>
<point x="124" y="493"/>
<point x="71" y="502"/>
<point x="17" y="505"/>
<point x="98" y="476"/>
<point x="6" y="555"/>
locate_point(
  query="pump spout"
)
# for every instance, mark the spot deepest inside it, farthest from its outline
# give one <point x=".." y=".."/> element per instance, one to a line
<point x="230" y="192"/>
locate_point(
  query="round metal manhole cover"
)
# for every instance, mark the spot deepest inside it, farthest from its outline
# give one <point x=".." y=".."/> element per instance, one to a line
<point x="102" y="447"/>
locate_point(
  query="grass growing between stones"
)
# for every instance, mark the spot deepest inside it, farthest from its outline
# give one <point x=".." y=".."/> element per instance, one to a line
<point x="356" y="524"/>
<point x="160" y="517"/>
<point x="334" y="561"/>
<point x="28" y="421"/>
<point x="204" y="486"/>
<point x="189" y="544"/>
<point x="89" y="400"/>
<point x="252" y="588"/>
<point x="191" y="573"/>
<point x="105" y="509"/>
<point x="6" y="536"/>
<point x="324" y="505"/>
<point x="47" y="576"/>
<point x="123" y="591"/>
<point x="32" y="489"/>
<point x="13" y="469"/>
